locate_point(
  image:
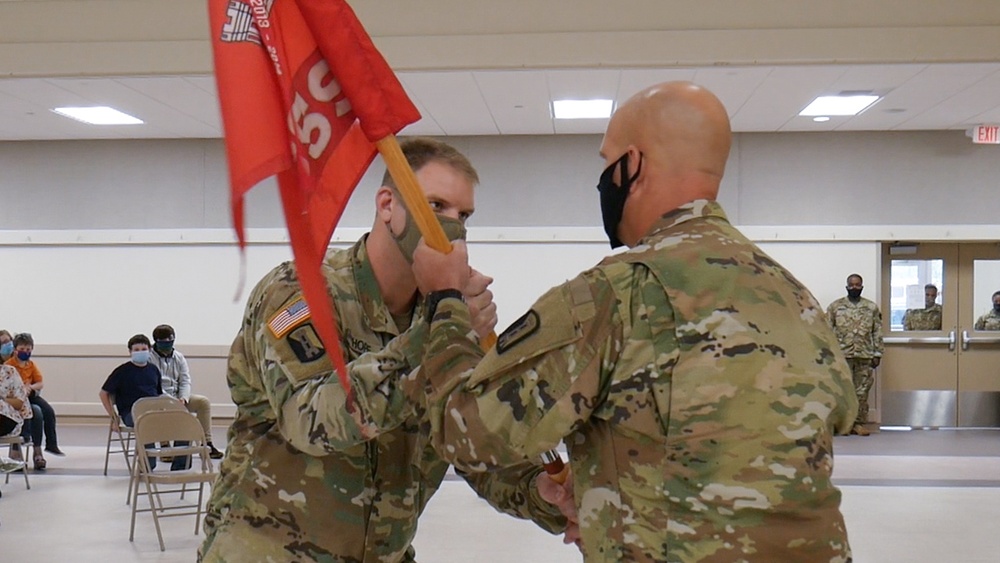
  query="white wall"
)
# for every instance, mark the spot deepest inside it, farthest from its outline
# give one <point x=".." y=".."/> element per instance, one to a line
<point x="104" y="239"/>
<point x="103" y="292"/>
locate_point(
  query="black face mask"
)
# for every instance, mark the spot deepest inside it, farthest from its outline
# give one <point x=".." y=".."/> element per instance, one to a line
<point x="854" y="293"/>
<point x="613" y="197"/>
<point x="996" y="307"/>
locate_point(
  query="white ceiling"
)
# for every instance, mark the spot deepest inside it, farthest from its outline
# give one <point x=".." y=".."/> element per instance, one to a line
<point x="759" y="98"/>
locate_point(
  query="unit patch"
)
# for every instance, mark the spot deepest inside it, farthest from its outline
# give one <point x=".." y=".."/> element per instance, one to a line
<point x="520" y="329"/>
<point x="305" y="343"/>
<point x="288" y="318"/>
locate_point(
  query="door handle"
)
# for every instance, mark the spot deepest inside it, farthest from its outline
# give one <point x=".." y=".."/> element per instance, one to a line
<point x="967" y="340"/>
<point x="951" y="341"/>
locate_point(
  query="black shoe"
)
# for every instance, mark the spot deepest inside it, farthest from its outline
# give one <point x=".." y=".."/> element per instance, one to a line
<point x="54" y="450"/>
<point x="214" y="453"/>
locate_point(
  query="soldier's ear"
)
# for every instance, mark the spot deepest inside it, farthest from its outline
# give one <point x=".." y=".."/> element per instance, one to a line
<point x="384" y="201"/>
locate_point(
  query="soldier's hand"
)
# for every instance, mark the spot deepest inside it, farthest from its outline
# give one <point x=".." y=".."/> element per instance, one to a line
<point x="561" y="496"/>
<point x="435" y="270"/>
<point x="481" y="306"/>
<point x="876" y="361"/>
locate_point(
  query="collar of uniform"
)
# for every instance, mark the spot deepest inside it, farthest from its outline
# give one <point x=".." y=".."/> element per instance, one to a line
<point x="367" y="290"/>
<point x="691" y="210"/>
<point x="366" y="286"/>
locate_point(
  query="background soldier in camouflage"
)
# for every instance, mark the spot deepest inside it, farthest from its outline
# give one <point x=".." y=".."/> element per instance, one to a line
<point x="857" y="322"/>
<point x="693" y="378"/>
<point x="309" y="477"/>
<point x="928" y="318"/>
<point x="990" y="320"/>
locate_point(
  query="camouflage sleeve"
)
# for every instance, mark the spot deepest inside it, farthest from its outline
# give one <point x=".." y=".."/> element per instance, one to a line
<point x="512" y="490"/>
<point x="831" y="316"/>
<point x="877" y="340"/>
<point x="312" y="409"/>
<point x="542" y="380"/>
<point x="980" y="323"/>
<point x="907" y="325"/>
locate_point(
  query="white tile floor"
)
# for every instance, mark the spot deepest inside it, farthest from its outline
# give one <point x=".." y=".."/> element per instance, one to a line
<point x="915" y="497"/>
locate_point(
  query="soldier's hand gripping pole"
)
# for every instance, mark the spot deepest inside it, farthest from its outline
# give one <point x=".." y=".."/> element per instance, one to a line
<point x="430" y="229"/>
<point x="554" y="466"/>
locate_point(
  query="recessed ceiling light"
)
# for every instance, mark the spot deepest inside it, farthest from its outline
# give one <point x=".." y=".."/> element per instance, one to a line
<point x="98" y="115"/>
<point x="582" y="109"/>
<point x="821" y="119"/>
<point x="839" y="105"/>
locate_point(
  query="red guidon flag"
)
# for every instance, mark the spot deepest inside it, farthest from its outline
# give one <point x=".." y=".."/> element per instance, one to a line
<point x="304" y="94"/>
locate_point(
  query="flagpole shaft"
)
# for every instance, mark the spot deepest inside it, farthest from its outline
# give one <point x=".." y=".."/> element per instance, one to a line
<point x="413" y="195"/>
<point x="430" y="228"/>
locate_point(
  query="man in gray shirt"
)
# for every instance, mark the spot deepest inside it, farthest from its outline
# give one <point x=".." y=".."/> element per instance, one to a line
<point x="177" y="381"/>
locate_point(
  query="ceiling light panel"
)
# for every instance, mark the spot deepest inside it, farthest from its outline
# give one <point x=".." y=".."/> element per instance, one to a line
<point x="582" y="109"/>
<point x="769" y="107"/>
<point x="839" y="105"/>
<point x="98" y="115"/>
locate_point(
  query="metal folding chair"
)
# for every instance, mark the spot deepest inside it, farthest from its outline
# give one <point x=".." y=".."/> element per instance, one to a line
<point x="141" y="407"/>
<point x="12" y="440"/>
<point x="169" y="426"/>
<point x="123" y="437"/>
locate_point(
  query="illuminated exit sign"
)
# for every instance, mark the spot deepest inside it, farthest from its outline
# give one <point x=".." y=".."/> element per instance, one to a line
<point x="986" y="134"/>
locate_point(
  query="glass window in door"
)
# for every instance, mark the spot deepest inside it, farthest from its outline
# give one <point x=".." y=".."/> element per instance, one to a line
<point x="986" y="294"/>
<point x="917" y="292"/>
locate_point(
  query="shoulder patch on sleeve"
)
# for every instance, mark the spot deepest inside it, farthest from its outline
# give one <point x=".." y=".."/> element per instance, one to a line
<point x="288" y="318"/>
<point x="518" y="330"/>
<point x="548" y="325"/>
<point x="305" y="344"/>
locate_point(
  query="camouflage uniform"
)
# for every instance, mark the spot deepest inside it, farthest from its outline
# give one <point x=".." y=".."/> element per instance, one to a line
<point x="923" y="319"/>
<point x="696" y="385"/>
<point x="858" y="327"/>
<point x="989" y="321"/>
<point x="303" y="478"/>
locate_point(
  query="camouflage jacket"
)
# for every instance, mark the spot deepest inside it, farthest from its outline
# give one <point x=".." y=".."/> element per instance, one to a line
<point x="305" y="480"/>
<point x="989" y="321"/>
<point x="697" y="388"/>
<point x="858" y="327"/>
<point x="923" y="319"/>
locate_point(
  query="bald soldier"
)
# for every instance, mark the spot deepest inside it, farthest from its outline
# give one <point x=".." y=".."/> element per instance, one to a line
<point x="308" y="476"/>
<point x="694" y="380"/>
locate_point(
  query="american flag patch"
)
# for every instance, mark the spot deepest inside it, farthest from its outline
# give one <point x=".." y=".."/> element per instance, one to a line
<point x="285" y="319"/>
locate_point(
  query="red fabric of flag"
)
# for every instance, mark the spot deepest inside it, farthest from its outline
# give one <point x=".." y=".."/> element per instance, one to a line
<point x="304" y="95"/>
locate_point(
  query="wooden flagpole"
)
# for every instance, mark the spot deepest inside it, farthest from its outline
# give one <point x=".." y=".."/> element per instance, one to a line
<point x="423" y="215"/>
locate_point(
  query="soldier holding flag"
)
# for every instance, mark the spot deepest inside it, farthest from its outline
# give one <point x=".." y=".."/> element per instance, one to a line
<point x="327" y="460"/>
<point x="304" y="477"/>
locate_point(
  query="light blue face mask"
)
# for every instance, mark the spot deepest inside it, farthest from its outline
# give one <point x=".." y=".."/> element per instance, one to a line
<point x="6" y="349"/>
<point x="140" y="357"/>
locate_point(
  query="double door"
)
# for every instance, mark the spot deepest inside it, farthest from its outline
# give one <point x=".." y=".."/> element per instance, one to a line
<point x="948" y="374"/>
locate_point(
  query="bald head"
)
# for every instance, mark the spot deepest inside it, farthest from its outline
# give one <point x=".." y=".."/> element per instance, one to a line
<point x="680" y="126"/>
<point x="682" y="133"/>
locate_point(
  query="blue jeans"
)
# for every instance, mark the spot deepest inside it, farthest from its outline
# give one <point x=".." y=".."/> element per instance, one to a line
<point x="178" y="464"/>
<point x="32" y="427"/>
<point x="43" y="418"/>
